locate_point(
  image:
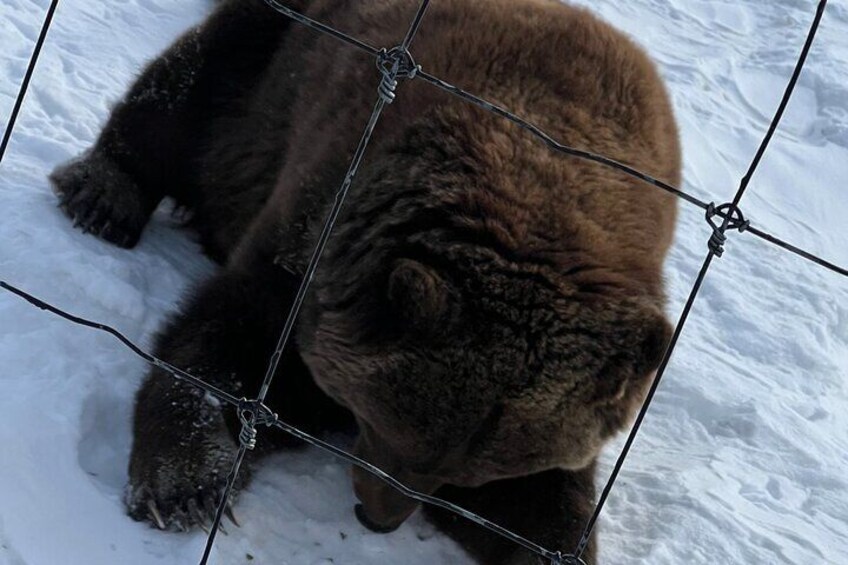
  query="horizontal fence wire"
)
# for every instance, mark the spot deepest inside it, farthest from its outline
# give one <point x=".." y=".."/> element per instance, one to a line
<point x="617" y="165"/>
<point x="323" y="28"/>
<point x="414" y="494"/>
<point x="254" y="412"/>
<point x="153" y="360"/>
<point x="550" y="141"/>
<point x="797" y="251"/>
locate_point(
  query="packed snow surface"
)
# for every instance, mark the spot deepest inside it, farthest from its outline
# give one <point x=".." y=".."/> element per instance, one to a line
<point x="742" y="458"/>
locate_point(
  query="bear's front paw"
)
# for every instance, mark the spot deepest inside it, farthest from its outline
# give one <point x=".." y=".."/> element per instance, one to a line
<point x="101" y="199"/>
<point x="180" y="487"/>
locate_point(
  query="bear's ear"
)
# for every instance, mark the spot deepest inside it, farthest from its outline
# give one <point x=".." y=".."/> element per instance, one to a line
<point x="638" y="334"/>
<point x="653" y="332"/>
<point x="419" y="297"/>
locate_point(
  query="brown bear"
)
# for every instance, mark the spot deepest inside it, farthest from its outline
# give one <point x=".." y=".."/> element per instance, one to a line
<point x="487" y="313"/>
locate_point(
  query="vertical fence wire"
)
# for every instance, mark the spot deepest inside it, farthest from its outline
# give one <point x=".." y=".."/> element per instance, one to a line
<point x="33" y="60"/>
<point x="715" y="249"/>
<point x="330" y="222"/>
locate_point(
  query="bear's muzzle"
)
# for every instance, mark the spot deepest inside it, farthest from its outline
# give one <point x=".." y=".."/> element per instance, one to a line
<point x="383" y="508"/>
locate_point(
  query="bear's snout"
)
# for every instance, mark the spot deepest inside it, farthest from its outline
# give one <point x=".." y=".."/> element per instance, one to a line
<point x="383" y="508"/>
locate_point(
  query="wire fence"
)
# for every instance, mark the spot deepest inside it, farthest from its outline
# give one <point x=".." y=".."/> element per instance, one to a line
<point x="395" y="64"/>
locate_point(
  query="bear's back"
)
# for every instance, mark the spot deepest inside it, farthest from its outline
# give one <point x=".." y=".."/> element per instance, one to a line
<point x="576" y="77"/>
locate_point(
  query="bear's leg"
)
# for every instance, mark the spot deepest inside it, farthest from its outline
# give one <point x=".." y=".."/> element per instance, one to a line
<point x="152" y="139"/>
<point x="184" y="441"/>
<point x="549" y="508"/>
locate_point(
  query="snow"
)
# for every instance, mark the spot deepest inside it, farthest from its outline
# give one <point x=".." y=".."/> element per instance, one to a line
<point x="741" y="459"/>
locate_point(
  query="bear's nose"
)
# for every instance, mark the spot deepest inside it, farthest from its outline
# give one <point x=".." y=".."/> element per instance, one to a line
<point x="363" y="518"/>
<point x="383" y="508"/>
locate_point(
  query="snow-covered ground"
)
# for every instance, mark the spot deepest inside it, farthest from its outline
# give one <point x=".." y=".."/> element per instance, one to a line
<point x="742" y="458"/>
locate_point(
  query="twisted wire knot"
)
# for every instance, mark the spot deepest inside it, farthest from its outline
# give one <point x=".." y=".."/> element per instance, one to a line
<point x="732" y="219"/>
<point x="396" y="63"/>
<point x="252" y="413"/>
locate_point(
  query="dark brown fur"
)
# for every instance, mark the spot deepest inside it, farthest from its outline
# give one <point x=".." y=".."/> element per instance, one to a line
<point x="487" y="310"/>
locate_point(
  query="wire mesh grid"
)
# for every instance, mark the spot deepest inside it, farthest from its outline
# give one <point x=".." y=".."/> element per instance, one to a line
<point x="396" y="64"/>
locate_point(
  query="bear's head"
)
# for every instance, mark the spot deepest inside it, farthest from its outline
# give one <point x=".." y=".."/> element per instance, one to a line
<point x="467" y="372"/>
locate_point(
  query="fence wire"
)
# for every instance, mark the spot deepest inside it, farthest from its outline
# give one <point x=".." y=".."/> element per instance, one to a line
<point x="33" y="60"/>
<point x="394" y="64"/>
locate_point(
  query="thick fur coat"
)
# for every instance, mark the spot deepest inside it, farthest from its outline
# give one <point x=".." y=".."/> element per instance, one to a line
<point x="488" y="312"/>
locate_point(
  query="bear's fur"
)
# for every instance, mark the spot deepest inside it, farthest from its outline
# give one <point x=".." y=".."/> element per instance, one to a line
<point x="488" y="312"/>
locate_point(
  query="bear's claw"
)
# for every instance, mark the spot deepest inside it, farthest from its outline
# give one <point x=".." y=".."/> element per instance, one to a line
<point x="155" y="515"/>
<point x="182" y="516"/>
<point x="101" y="199"/>
<point x="228" y="512"/>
